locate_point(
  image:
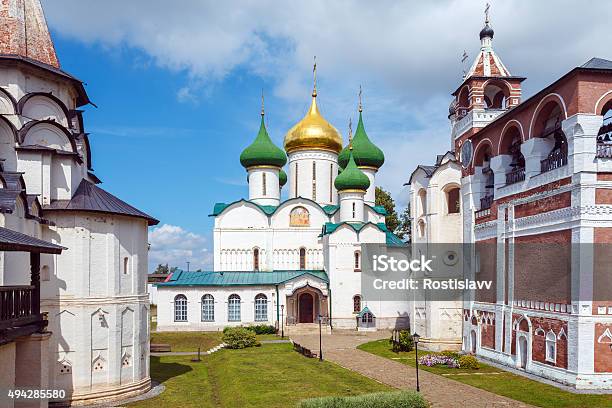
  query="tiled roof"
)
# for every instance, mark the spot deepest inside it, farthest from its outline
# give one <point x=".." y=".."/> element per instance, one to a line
<point x="16" y="241"/>
<point x="238" y="278"/>
<point x="89" y="197"/>
<point x="597" y="63"/>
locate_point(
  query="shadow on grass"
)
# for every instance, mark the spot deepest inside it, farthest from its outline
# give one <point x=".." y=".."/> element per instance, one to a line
<point x="162" y="372"/>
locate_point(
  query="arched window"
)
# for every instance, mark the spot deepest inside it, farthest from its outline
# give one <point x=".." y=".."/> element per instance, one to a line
<point x="302" y="258"/>
<point x="261" y="308"/>
<point x="264" y="186"/>
<point x="511" y="145"/>
<point x="180" y="308"/>
<point x="314" y="181"/>
<point x="551" y="347"/>
<point x="452" y="200"/>
<point x="604" y="135"/>
<point x="208" y="308"/>
<point x="357" y="261"/>
<point x="256" y="259"/>
<point x="356" y="304"/>
<point x="125" y="265"/>
<point x="367" y="318"/>
<point x="353" y="210"/>
<point x="233" y="308"/>
<point x="421" y="228"/>
<point x="422" y="201"/>
<point x="496" y="95"/>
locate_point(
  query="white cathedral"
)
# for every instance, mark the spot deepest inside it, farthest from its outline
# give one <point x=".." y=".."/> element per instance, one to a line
<point x="294" y="261"/>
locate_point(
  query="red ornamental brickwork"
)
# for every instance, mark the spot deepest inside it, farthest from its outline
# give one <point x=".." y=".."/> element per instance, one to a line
<point x="542" y="267"/>
<point x="487" y="330"/>
<point x="487" y="255"/>
<point x="24" y="31"/>
<point x="603" y="348"/>
<point x="541" y="326"/>
<point x="603" y="196"/>
<point x="544" y="205"/>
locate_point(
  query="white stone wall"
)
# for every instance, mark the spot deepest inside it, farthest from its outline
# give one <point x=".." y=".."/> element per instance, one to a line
<point x="264" y="188"/>
<point x="326" y="164"/>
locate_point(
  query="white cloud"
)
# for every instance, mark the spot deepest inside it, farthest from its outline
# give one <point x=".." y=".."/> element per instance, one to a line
<point x="173" y="245"/>
<point x="405" y="54"/>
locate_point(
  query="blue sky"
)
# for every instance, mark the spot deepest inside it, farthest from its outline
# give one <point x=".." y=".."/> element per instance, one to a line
<point x="178" y="85"/>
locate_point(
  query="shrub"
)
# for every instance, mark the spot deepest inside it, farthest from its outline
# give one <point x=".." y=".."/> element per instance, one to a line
<point x="401" y="399"/>
<point x="450" y="353"/>
<point x="263" y="329"/>
<point x="406" y="343"/>
<point x="469" y="362"/>
<point x="431" y="360"/>
<point x="239" y="338"/>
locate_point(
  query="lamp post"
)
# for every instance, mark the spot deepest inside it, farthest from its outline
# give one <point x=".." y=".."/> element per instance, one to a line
<point x="416" y="338"/>
<point x="282" y="321"/>
<point x="320" y="339"/>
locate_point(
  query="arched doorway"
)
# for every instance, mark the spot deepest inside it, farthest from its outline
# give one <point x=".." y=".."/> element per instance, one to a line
<point x="306" y="308"/>
<point x="522" y="351"/>
<point x="473" y="341"/>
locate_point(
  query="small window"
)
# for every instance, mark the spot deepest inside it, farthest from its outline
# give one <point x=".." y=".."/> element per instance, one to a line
<point x="357" y="261"/>
<point x="180" y="308"/>
<point x="421" y="229"/>
<point x="125" y="265"/>
<point x="367" y="318"/>
<point x="233" y="308"/>
<point x="356" y="304"/>
<point x="264" y="187"/>
<point x="302" y="258"/>
<point x="354" y="211"/>
<point x="256" y="259"/>
<point x="551" y="347"/>
<point x="452" y="201"/>
<point x="261" y="308"/>
<point x="208" y="308"/>
<point x="314" y="181"/>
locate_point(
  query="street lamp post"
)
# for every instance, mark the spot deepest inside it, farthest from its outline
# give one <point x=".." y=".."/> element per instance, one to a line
<point x="320" y="339"/>
<point x="416" y="337"/>
<point x="282" y="321"/>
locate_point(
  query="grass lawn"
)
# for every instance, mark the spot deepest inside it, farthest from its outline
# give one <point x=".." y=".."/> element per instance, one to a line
<point x="190" y="341"/>
<point x="509" y="385"/>
<point x="272" y="375"/>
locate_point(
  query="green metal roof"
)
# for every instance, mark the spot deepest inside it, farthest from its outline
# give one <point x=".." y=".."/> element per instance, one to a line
<point x="282" y="177"/>
<point x="391" y="239"/>
<point x="270" y="209"/>
<point x="263" y="152"/>
<point x="364" y="311"/>
<point x="238" y="278"/>
<point x="378" y="209"/>
<point x="365" y="152"/>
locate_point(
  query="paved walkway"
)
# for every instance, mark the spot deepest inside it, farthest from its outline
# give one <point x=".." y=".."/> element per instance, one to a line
<point x="441" y="392"/>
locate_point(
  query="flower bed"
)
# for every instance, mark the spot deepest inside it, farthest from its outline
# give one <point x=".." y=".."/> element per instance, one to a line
<point x="431" y="360"/>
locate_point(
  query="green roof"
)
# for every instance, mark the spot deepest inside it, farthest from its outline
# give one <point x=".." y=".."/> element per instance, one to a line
<point x="238" y="278"/>
<point x="269" y="209"/>
<point x="380" y="209"/>
<point x="392" y="240"/>
<point x="365" y="152"/>
<point x="263" y="152"/>
<point x="282" y="177"/>
<point x="351" y="177"/>
<point x="364" y="311"/>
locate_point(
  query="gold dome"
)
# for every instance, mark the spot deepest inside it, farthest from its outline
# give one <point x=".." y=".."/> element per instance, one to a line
<point x="313" y="132"/>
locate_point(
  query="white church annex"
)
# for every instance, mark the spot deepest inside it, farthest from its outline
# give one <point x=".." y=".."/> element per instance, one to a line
<point x="294" y="260"/>
<point x="88" y="249"/>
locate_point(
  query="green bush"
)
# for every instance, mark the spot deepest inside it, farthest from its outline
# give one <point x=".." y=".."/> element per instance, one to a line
<point x="239" y="338"/>
<point x="401" y="399"/>
<point x="406" y="342"/>
<point x="450" y="353"/>
<point x="263" y="329"/>
<point x="468" y="361"/>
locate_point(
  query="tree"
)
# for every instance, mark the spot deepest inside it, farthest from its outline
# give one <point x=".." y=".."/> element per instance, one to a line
<point x="382" y="197"/>
<point x="162" y="269"/>
<point x="404" y="229"/>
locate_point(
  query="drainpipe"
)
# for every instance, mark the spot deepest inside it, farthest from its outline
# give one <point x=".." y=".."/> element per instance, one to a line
<point x="277" y="307"/>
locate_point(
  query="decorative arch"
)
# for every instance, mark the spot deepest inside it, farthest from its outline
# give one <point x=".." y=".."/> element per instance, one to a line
<point x="463" y="97"/>
<point x="50" y="102"/>
<point x="511" y="129"/>
<point x="603" y="104"/>
<point x="483" y="149"/>
<point x="496" y="93"/>
<point x="48" y="95"/>
<point x="545" y="105"/>
<point x="9" y="102"/>
<point x="452" y="195"/>
<point x="54" y="127"/>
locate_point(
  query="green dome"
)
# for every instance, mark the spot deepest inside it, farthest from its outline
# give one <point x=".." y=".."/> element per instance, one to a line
<point x="282" y="177"/>
<point x="351" y="177"/>
<point x="263" y="152"/>
<point x="365" y="152"/>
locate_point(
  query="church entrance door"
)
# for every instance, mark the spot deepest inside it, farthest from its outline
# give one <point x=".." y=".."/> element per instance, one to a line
<point x="306" y="308"/>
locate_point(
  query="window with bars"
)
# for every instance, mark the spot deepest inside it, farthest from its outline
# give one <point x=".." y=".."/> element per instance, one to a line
<point x="261" y="308"/>
<point x="356" y="304"/>
<point x="180" y="308"/>
<point x="357" y="259"/>
<point x="233" y="308"/>
<point x="208" y="308"/>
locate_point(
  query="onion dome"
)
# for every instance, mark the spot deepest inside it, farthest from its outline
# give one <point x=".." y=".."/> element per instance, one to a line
<point x="351" y="177"/>
<point x="365" y="153"/>
<point x="282" y="177"/>
<point x="263" y="152"/>
<point x="313" y="132"/>
<point x="486" y="31"/>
